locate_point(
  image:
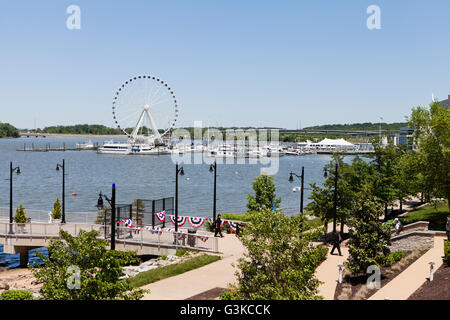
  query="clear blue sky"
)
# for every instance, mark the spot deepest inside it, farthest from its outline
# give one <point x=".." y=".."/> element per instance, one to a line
<point x="253" y="62"/>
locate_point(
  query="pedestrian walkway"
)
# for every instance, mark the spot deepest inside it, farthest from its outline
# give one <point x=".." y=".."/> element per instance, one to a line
<point x="328" y="273"/>
<point x="412" y="278"/>
<point x="214" y="275"/>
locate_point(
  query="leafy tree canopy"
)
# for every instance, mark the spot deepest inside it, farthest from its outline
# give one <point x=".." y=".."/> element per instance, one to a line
<point x="87" y="259"/>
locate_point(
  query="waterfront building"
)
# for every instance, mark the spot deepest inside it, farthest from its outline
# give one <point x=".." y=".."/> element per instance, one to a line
<point x="445" y="103"/>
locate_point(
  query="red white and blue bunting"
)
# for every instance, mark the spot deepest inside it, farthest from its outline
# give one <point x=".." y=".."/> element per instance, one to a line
<point x="161" y="215"/>
<point x="181" y="220"/>
<point x="128" y="223"/>
<point x="196" y="222"/>
<point x="233" y="225"/>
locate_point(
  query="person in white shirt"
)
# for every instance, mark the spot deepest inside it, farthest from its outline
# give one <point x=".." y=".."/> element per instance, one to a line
<point x="398" y="225"/>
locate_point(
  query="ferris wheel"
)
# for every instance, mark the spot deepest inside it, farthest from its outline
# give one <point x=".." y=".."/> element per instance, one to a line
<point x="145" y="108"/>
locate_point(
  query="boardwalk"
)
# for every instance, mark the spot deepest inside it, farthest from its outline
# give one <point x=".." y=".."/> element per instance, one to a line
<point x="215" y="275"/>
<point x="20" y="238"/>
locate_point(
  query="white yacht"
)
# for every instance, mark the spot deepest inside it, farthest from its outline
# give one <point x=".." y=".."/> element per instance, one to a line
<point x="111" y="147"/>
<point x="145" y="149"/>
<point x="87" y="145"/>
<point x="222" y="151"/>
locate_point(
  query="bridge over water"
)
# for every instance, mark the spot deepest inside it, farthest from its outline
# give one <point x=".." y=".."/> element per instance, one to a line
<point x="20" y="238"/>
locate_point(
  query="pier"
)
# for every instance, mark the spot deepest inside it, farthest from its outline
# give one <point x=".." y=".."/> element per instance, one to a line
<point x="48" y="148"/>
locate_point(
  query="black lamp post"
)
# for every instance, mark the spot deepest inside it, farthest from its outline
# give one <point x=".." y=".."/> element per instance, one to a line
<point x="63" y="167"/>
<point x="11" y="171"/>
<point x="335" y="195"/>
<point x="302" y="179"/>
<point x="213" y="167"/>
<point x="178" y="171"/>
<point x="112" y="203"/>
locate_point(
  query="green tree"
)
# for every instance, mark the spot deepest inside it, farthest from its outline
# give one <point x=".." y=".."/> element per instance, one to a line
<point x="20" y="216"/>
<point x="383" y="177"/>
<point x="369" y="239"/>
<point x="433" y="137"/>
<point x="351" y="180"/>
<point x="7" y="130"/>
<point x="264" y="187"/>
<point x="85" y="258"/>
<point x="279" y="262"/>
<point x="56" y="212"/>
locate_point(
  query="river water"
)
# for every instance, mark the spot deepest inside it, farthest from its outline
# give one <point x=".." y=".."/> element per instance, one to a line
<point x="140" y="177"/>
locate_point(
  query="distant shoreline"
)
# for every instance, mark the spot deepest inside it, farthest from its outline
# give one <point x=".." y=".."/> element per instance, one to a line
<point x="81" y="135"/>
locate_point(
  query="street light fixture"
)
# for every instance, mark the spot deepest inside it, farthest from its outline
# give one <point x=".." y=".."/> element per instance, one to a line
<point x="302" y="178"/>
<point x="11" y="171"/>
<point x="178" y="171"/>
<point x="112" y="203"/>
<point x="63" y="167"/>
<point x="213" y="168"/>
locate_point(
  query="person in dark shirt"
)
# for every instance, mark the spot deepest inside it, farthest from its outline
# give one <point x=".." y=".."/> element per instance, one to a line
<point x="217" y="226"/>
<point x="336" y="241"/>
<point x="447" y="227"/>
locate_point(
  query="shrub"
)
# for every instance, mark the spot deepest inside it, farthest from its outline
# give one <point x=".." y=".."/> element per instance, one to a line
<point x="447" y="252"/>
<point x="98" y="269"/>
<point x="236" y="217"/>
<point x="20" y="216"/>
<point x="181" y="252"/>
<point x="56" y="212"/>
<point x="394" y="257"/>
<point x="16" y="295"/>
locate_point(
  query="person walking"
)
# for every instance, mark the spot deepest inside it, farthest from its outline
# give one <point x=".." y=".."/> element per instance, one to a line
<point x="398" y="226"/>
<point x="217" y="226"/>
<point x="336" y="240"/>
<point x="447" y="228"/>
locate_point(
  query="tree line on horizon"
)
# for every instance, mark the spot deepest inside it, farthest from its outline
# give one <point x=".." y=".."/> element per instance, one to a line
<point x="8" y="131"/>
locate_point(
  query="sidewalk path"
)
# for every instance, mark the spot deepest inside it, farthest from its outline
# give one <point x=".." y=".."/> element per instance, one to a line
<point x="407" y="282"/>
<point x="328" y="273"/>
<point x="214" y="275"/>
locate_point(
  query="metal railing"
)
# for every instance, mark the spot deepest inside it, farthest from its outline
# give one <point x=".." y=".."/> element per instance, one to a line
<point x="143" y="236"/>
<point x="43" y="215"/>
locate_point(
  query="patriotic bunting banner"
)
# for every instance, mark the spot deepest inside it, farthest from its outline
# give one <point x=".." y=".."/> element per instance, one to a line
<point x="128" y="223"/>
<point x="161" y="215"/>
<point x="233" y="225"/>
<point x="180" y="222"/>
<point x="204" y="239"/>
<point x="196" y="222"/>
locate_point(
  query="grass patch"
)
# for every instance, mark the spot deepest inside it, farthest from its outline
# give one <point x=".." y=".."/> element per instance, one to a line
<point x="314" y="223"/>
<point x="436" y="216"/>
<point x="171" y="270"/>
<point x="245" y="217"/>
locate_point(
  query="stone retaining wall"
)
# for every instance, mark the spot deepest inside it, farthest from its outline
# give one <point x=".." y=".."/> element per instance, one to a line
<point x="416" y="226"/>
<point x="416" y="240"/>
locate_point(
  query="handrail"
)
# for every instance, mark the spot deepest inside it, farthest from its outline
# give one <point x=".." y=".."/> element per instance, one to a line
<point x="141" y="236"/>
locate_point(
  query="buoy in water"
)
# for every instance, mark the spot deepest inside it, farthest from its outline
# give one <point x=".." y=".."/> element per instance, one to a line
<point x="74" y="194"/>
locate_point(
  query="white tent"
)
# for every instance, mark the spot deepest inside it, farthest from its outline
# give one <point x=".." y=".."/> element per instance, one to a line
<point x="340" y="143"/>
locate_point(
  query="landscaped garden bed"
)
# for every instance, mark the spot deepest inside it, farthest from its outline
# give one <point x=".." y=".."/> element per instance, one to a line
<point x="354" y="287"/>
<point x="438" y="289"/>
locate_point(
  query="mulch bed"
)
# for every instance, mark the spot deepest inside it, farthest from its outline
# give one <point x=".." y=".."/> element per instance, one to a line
<point x="438" y="289"/>
<point x="355" y="288"/>
<point x="210" y="294"/>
